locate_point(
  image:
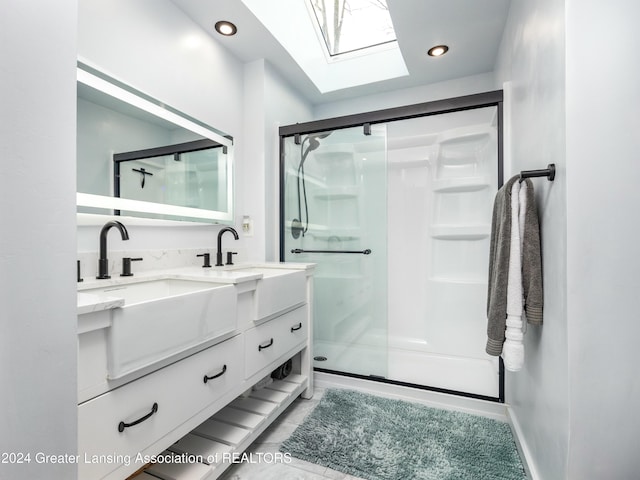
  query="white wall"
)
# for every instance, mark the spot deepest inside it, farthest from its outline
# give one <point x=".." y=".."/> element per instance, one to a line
<point x="269" y="103"/>
<point x="283" y="106"/>
<point x="153" y="46"/>
<point x="531" y="59"/>
<point x="603" y="145"/>
<point x="37" y="236"/>
<point x="252" y="170"/>
<point x="408" y="96"/>
<point x="574" y="103"/>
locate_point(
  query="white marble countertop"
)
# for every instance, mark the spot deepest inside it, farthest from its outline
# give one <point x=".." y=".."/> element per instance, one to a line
<point x="90" y="302"/>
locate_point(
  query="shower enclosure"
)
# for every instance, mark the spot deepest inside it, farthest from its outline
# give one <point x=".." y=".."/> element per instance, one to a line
<point x="394" y="207"/>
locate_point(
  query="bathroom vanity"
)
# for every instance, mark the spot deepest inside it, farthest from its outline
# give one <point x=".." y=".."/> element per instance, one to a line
<point x="174" y="366"/>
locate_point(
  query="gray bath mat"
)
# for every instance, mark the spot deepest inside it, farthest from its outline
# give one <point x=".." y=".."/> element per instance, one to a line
<point x="383" y="439"/>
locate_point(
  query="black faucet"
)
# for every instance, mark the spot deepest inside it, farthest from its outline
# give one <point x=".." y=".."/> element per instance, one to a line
<point x="103" y="261"/>
<point x="219" y="254"/>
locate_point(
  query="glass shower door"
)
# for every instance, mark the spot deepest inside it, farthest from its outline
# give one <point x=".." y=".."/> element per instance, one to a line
<point x="335" y="216"/>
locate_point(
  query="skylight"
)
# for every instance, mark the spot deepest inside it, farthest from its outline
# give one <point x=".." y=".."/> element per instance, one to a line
<point x="294" y="26"/>
<point x="350" y="25"/>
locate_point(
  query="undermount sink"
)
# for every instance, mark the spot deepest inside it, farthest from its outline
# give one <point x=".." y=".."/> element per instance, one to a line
<point x="163" y="317"/>
<point x="280" y="289"/>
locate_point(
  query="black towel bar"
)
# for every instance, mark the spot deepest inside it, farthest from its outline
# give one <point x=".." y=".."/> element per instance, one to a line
<point x="549" y="172"/>
<point x="363" y="252"/>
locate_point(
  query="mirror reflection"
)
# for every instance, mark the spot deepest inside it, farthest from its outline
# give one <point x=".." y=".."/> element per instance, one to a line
<point x="188" y="174"/>
<point x="139" y="158"/>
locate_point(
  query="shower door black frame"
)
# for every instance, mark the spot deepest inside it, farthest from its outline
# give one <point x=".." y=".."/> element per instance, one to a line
<point x="457" y="104"/>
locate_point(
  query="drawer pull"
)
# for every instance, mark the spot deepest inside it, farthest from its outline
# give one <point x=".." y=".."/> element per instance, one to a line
<point x="296" y="327"/>
<point x="262" y="347"/>
<point x="122" y="425"/>
<point x="224" y="369"/>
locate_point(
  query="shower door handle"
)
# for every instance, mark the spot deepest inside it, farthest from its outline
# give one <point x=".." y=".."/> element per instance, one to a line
<point x="363" y="252"/>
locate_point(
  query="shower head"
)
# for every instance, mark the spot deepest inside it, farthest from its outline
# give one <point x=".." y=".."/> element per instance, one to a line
<point x="313" y="139"/>
<point x="313" y="144"/>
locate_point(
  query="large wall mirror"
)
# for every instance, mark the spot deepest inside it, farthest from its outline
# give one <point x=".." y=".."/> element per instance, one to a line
<point x="137" y="157"/>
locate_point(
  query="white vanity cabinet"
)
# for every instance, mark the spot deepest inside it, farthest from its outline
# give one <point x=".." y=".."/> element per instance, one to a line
<point x="275" y="340"/>
<point x="159" y="401"/>
<point x="201" y="397"/>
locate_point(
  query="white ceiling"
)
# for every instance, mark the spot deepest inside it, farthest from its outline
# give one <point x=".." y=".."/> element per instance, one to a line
<point x="471" y="28"/>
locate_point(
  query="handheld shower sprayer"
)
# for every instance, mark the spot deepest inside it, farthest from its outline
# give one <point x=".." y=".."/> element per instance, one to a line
<point x="314" y="142"/>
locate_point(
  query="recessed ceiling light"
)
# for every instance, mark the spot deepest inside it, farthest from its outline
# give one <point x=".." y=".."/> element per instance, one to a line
<point x="225" y="28"/>
<point x="438" y="50"/>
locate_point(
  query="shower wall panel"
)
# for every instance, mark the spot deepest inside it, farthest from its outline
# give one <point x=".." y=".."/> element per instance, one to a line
<point x="442" y="179"/>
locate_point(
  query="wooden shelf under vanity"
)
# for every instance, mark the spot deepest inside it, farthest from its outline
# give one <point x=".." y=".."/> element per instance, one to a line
<point x="220" y="441"/>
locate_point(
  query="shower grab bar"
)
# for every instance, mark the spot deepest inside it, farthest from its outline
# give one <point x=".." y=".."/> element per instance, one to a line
<point x="363" y="252"/>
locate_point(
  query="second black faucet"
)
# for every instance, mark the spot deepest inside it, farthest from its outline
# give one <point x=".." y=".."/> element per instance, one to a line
<point x="103" y="261"/>
<point x="219" y="253"/>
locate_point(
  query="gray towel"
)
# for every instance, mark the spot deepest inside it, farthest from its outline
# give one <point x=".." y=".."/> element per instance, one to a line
<point x="499" y="265"/>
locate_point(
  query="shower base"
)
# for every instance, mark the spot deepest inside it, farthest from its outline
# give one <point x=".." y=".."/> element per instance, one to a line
<point x="405" y="365"/>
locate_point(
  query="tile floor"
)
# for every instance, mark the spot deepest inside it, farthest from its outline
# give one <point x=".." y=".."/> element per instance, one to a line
<point x="269" y="442"/>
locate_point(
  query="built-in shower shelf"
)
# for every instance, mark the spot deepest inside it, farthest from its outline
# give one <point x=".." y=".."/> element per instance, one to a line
<point x="338" y="234"/>
<point x="412" y="163"/>
<point x="337" y="238"/>
<point x="308" y="178"/>
<point x="336" y="151"/>
<point x="338" y="193"/>
<point x="460" y="232"/>
<point x="471" y="135"/>
<point x="312" y="227"/>
<point x="462" y="184"/>
<point x="397" y="142"/>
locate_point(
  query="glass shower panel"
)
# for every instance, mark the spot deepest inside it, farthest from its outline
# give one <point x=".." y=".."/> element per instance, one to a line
<point x="335" y="216"/>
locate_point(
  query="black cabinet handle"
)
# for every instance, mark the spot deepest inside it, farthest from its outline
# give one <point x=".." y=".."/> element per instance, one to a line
<point x="297" y="327"/>
<point x="224" y="369"/>
<point x="122" y="425"/>
<point x="262" y="347"/>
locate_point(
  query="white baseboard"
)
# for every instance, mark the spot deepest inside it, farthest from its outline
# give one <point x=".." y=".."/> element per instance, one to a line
<point x="523" y="449"/>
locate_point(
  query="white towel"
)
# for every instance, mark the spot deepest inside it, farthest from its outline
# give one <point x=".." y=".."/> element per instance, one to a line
<point x="513" y="348"/>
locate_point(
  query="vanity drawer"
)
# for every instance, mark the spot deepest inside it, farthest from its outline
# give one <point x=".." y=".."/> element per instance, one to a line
<point x="266" y="342"/>
<point x="164" y="400"/>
